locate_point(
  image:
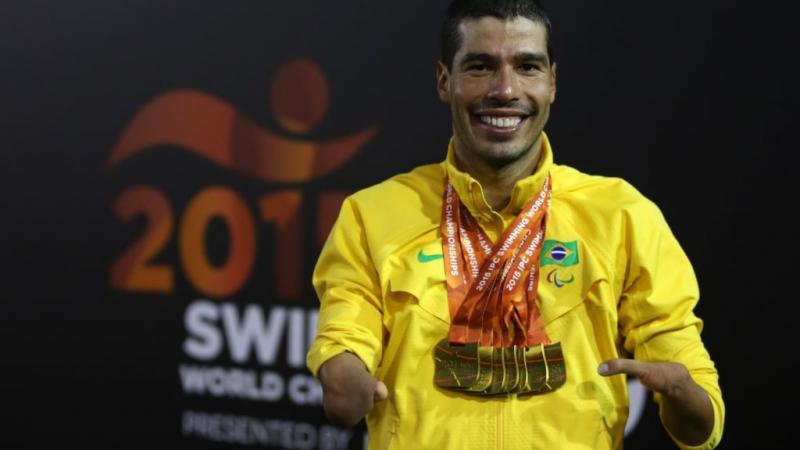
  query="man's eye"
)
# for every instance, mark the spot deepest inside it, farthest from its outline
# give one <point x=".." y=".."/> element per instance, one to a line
<point x="478" y="68"/>
<point x="529" y="67"/>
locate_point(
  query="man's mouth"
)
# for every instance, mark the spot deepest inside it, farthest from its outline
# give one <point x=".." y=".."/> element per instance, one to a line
<point x="501" y="122"/>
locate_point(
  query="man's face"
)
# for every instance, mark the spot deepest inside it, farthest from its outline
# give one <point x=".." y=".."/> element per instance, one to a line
<point x="500" y="88"/>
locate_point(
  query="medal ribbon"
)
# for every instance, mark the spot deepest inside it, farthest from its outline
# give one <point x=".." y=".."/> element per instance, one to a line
<point x="491" y="287"/>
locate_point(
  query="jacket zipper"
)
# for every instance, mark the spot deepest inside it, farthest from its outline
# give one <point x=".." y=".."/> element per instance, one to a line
<point x="500" y="430"/>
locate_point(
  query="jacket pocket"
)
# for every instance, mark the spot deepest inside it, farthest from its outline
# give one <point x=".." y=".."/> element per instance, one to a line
<point x="419" y="272"/>
<point x="555" y="303"/>
<point x="427" y="288"/>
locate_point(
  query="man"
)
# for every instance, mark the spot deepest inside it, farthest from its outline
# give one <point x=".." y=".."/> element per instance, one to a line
<point x="496" y="299"/>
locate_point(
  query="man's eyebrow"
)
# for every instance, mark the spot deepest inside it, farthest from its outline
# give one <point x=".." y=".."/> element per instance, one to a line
<point x="477" y="57"/>
<point x="531" y="57"/>
<point x="527" y="57"/>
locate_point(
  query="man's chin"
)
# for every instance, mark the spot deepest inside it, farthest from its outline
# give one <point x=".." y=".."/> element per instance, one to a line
<point x="503" y="155"/>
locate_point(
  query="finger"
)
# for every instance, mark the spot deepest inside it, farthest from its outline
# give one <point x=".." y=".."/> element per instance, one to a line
<point x="381" y="392"/>
<point x="617" y="366"/>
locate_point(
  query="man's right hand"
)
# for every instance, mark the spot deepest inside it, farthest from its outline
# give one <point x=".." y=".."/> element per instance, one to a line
<point x="349" y="391"/>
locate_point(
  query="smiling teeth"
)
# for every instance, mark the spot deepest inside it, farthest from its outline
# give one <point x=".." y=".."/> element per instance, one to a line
<point x="501" y="122"/>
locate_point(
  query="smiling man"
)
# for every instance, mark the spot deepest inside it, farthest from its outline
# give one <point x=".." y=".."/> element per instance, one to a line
<point x="496" y="300"/>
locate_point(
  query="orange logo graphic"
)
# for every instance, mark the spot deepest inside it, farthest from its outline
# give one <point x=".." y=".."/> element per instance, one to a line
<point x="212" y="128"/>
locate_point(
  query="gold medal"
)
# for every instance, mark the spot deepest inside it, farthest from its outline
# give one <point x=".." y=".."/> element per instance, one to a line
<point x="457" y="366"/>
<point x="512" y="370"/>
<point x="546" y="369"/>
<point x="486" y="372"/>
<point x="498" y="371"/>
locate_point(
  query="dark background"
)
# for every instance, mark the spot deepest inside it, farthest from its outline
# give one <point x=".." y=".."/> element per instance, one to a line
<point x="692" y="102"/>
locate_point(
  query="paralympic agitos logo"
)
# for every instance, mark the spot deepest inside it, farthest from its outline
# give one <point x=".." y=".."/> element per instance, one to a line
<point x="211" y="128"/>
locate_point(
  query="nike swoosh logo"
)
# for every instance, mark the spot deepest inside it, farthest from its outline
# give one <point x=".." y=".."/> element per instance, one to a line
<point x="423" y="258"/>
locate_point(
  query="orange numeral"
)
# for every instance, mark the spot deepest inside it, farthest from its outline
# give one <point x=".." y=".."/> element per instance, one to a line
<point x="228" y="278"/>
<point x="131" y="271"/>
<point x="283" y="209"/>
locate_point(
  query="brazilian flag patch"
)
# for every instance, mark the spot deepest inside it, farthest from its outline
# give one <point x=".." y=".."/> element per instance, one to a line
<point x="559" y="253"/>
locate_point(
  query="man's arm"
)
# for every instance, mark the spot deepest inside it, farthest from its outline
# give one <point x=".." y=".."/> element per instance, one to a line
<point x="659" y="328"/>
<point x="688" y="413"/>
<point x="349" y="342"/>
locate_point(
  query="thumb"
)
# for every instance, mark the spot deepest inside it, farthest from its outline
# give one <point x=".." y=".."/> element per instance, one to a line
<point x="381" y="392"/>
<point x="621" y="365"/>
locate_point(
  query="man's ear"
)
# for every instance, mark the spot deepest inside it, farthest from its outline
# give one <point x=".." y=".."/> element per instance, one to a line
<point x="443" y="82"/>
<point x="553" y="83"/>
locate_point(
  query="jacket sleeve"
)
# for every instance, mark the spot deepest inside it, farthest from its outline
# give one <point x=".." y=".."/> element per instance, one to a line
<point x="656" y="307"/>
<point x="346" y="282"/>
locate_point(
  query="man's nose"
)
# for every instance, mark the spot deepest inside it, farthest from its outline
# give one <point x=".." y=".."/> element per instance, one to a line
<point x="504" y="86"/>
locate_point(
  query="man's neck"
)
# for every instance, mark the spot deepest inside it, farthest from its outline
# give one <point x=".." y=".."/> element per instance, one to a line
<point x="498" y="182"/>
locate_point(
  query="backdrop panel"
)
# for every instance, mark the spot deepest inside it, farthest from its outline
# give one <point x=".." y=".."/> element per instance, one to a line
<point x="171" y="170"/>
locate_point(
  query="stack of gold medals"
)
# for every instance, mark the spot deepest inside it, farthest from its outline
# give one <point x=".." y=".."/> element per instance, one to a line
<point x="497" y="343"/>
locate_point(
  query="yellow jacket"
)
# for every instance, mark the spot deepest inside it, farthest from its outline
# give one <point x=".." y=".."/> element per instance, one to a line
<point x="629" y="291"/>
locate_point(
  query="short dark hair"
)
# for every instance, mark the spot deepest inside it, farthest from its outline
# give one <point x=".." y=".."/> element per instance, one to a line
<point x="501" y="9"/>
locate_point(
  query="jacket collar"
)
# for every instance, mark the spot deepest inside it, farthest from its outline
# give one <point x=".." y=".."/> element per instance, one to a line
<point x="471" y="192"/>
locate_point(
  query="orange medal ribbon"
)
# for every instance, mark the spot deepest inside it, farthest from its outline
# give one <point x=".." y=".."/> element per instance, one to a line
<point x="491" y="288"/>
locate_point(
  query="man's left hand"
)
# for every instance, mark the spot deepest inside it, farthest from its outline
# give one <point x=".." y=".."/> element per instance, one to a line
<point x="664" y="377"/>
<point x="688" y="413"/>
